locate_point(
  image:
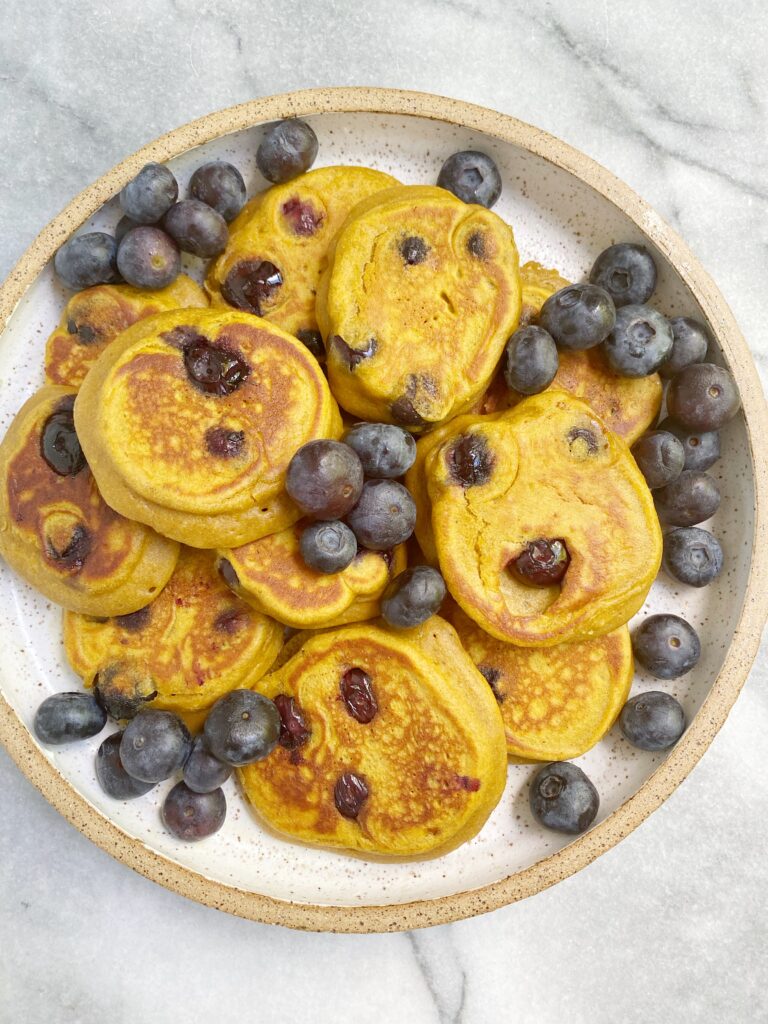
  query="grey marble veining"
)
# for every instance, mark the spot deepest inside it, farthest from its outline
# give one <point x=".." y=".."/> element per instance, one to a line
<point x="670" y="925"/>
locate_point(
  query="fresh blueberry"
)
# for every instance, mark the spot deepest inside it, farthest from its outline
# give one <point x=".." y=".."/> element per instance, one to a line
<point x="652" y="721"/>
<point x="627" y="272"/>
<point x="693" y="556"/>
<point x="65" y="717"/>
<point x="563" y="798"/>
<point x="148" y="258"/>
<point x="328" y="547"/>
<point x="287" y="149"/>
<point x="192" y="816"/>
<point x="196" y="228"/>
<point x="689" y="345"/>
<point x="639" y="343"/>
<point x="701" y="447"/>
<point x="471" y="176"/>
<point x="203" y="772"/>
<point x="703" y="397"/>
<point x="112" y="777"/>
<point x="660" y="457"/>
<point x="325" y="479"/>
<point x="87" y="260"/>
<point x="242" y="727"/>
<point x="123" y="226"/>
<point x="385" y="450"/>
<point x="155" y="744"/>
<point x="413" y="596"/>
<point x="579" y="316"/>
<point x="666" y="645"/>
<point x="384" y="516"/>
<point x="220" y="186"/>
<point x="530" y="360"/>
<point x="689" y="500"/>
<point x="150" y="194"/>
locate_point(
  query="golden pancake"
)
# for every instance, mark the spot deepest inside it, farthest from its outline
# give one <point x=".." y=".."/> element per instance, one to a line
<point x="556" y="702"/>
<point x="55" y="529"/>
<point x="94" y="317"/>
<point x="421" y="293"/>
<point x="278" y="244"/>
<point x="189" y="420"/>
<point x="428" y="748"/>
<point x="550" y="470"/>
<point x="272" y="576"/>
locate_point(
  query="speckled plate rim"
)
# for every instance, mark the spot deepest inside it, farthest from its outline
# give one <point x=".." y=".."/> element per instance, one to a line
<point x="744" y="644"/>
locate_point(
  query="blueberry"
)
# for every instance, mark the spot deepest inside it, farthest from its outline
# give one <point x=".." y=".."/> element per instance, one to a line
<point x="155" y="744"/>
<point x="627" y="272"/>
<point x="689" y="500"/>
<point x="59" y="443"/>
<point x="660" y="457"/>
<point x="530" y="360"/>
<point x="123" y="226"/>
<point x="287" y="149"/>
<point x="563" y="798"/>
<point x="471" y="176"/>
<point x="689" y="345"/>
<point x="639" y="343"/>
<point x="701" y="447"/>
<point x="112" y="777"/>
<point x="196" y="228"/>
<point x="148" y="258"/>
<point x="652" y="720"/>
<point x="470" y="461"/>
<point x="384" y="516"/>
<point x="252" y="285"/>
<point x="328" y="547"/>
<point x="87" y="260"/>
<point x="693" y="556"/>
<point x="65" y="717"/>
<point x="214" y="370"/>
<point x="385" y="450"/>
<point x="203" y="772"/>
<point x="579" y="316"/>
<point x="666" y="645"/>
<point x="541" y="563"/>
<point x="313" y="340"/>
<point x="192" y="816"/>
<point x="325" y="479"/>
<point x="150" y="194"/>
<point x="703" y="397"/>
<point x="413" y="596"/>
<point x="358" y="696"/>
<point x="220" y="186"/>
<point x="242" y="727"/>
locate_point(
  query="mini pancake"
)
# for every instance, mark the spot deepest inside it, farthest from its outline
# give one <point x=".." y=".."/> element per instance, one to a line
<point x="556" y="702"/>
<point x="548" y="469"/>
<point x="189" y="420"/>
<point x="278" y="244"/>
<point x="272" y="576"/>
<point x="94" y="317"/>
<point x="55" y="529"/>
<point x="421" y="293"/>
<point x="195" y="642"/>
<point x="408" y="715"/>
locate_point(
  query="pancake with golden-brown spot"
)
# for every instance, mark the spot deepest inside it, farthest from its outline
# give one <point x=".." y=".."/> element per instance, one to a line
<point x="278" y="244"/>
<point x="556" y="702"/>
<point x="55" y="529"/>
<point x="392" y="743"/>
<point x="189" y="420"/>
<point x="94" y="317"/>
<point x="544" y="486"/>
<point x="272" y="576"/>
<point x="420" y="295"/>
<point x="195" y="642"/>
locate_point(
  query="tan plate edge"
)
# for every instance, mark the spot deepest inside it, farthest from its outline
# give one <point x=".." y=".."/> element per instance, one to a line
<point x="741" y="653"/>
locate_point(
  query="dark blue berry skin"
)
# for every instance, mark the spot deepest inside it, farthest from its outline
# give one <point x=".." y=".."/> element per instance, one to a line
<point x="689" y="345"/>
<point x="639" y="343"/>
<point x="328" y="547"/>
<point x="691" y="499"/>
<point x="196" y="228"/>
<point x="87" y="260"/>
<point x="692" y="556"/>
<point x="471" y="176"/>
<point x="701" y="447"/>
<point x="412" y="597"/>
<point x="666" y="645"/>
<point x="325" y="479"/>
<point x="385" y="450"/>
<point x="203" y="772"/>
<point x="579" y="316"/>
<point x="288" y="149"/>
<point x="193" y="816"/>
<point x="148" y="258"/>
<point x="155" y="745"/>
<point x="627" y="272"/>
<point x="563" y="798"/>
<point x="66" y="717"/>
<point x="148" y="196"/>
<point x="112" y="777"/>
<point x="530" y="360"/>
<point x="219" y="185"/>
<point x="660" y="457"/>
<point x="652" y="720"/>
<point x="123" y="226"/>
<point x="703" y="397"/>
<point x="242" y="727"/>
<point x="384" y="516"/>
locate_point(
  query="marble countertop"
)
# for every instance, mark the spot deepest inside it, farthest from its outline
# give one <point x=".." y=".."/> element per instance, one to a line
<point x="669" y="925"/>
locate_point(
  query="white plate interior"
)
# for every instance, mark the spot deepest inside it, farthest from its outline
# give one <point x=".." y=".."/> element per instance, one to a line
<point x="558" y="221"/>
